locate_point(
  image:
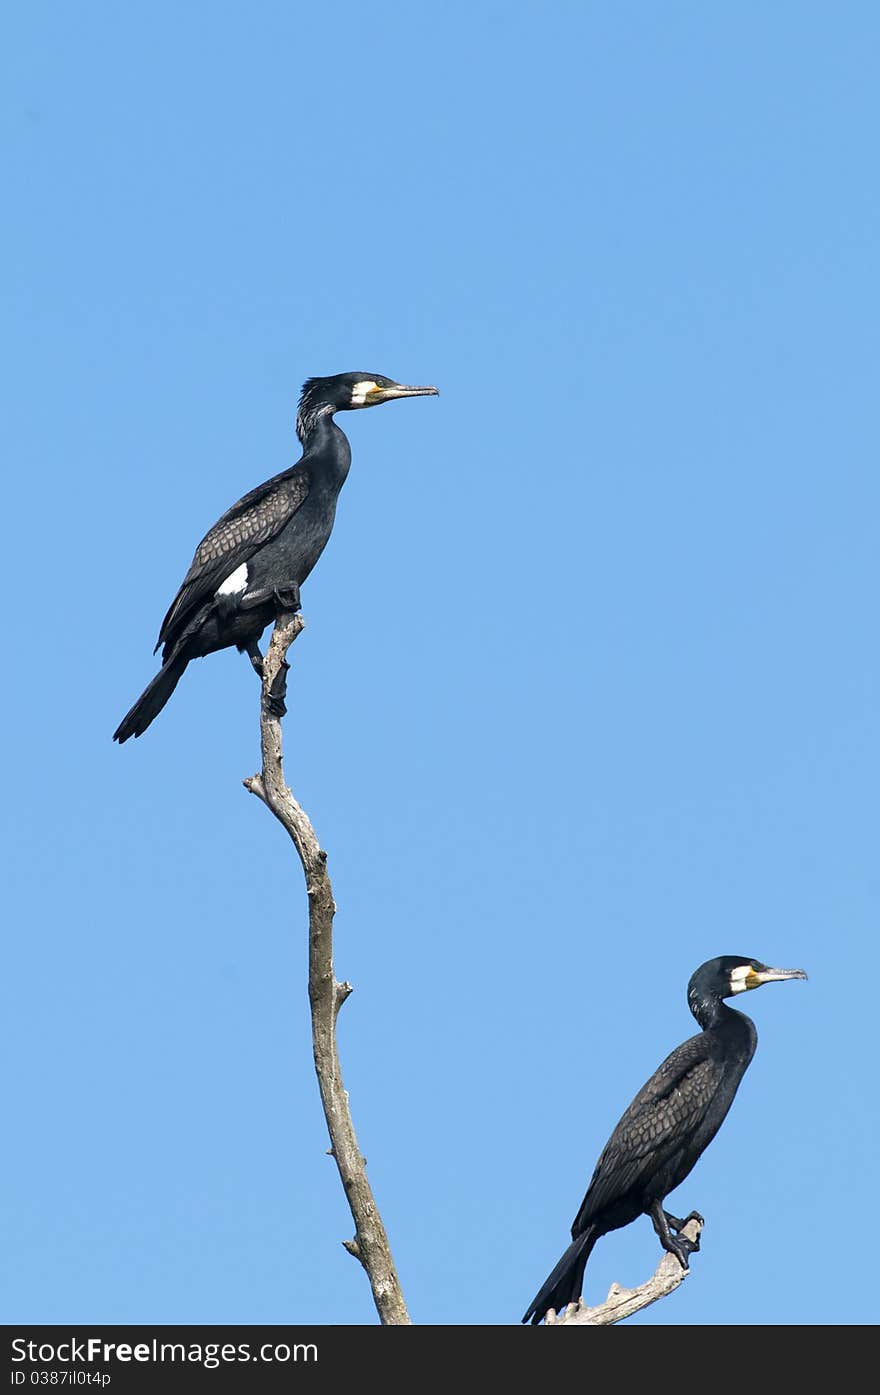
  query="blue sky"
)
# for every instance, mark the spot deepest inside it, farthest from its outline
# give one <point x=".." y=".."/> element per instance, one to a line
<point x="589" y="688"/>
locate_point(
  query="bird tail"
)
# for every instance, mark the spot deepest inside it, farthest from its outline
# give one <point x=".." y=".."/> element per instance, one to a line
<point x="563" y="1285"/>
<point x="151" y="700"/>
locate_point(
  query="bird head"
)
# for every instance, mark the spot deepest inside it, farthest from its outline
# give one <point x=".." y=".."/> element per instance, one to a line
<point x="347" y="391"/>
<point x="731" y="974"/>
<point x="744" y="974"/>
<point x="369" y="389"/>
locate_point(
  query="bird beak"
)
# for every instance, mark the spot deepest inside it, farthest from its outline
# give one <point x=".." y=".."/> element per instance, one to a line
<point x="386" y="394"/>
<point x="754" y="980"/>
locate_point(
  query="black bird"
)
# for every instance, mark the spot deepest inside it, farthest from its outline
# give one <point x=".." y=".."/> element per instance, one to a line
<point x="255" y="558"/>
<point x="669" y="1123"/>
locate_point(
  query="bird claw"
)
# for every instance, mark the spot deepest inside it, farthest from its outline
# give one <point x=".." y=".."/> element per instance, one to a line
<point x="676" y="1223"/>
<point x="683" y="1248"/>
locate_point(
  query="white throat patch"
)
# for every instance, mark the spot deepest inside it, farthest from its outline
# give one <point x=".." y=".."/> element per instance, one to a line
<point x="738" y="977"/>
<point x="360" y="390"/>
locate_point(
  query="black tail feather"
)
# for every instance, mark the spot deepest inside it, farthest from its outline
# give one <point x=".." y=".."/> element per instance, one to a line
<point x="151" y="700"/>
<point x="563" y="1285"/>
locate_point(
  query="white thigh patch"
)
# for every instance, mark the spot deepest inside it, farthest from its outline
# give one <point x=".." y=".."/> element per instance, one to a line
<point x="234" y="584"/>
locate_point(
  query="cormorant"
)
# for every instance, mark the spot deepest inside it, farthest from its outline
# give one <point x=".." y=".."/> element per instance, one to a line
<point x="253" y="561"/>
<point x="665" y="1129"/>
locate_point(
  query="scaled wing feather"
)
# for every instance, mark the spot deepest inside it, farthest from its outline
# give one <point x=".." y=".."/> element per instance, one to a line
<point x="664" y="1113"/>
<point x="242" y="530"/>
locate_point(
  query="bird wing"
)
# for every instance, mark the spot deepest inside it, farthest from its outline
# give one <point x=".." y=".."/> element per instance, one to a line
<point x="257" y="517"/>
<point x="661" y="1118"/>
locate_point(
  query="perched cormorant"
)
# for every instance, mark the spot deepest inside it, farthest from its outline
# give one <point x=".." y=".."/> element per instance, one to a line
<point x="669" y="1123"/>
<point x="253" y="561"/>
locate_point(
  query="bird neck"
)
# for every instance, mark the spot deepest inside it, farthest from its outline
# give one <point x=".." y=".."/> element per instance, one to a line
<point x="312" y="416"/>
<point x="324" y="441"/>
<point x="711" y="1011"/>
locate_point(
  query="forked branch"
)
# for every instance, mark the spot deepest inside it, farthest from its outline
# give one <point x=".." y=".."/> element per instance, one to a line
<point x="326" y="995"/>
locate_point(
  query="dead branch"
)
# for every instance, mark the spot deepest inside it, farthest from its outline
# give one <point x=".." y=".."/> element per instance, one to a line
<point x="326" y="995"/>
<point x="623" y="1302"/>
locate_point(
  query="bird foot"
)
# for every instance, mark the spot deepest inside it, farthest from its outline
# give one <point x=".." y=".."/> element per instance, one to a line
<point x="275" y="703"/>
<point x="675" y="1223"/>
<point x="683" y="1248"/>
<point x="678" y="1245"/>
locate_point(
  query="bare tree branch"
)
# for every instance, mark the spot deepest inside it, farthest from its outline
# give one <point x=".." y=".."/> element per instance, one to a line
<point x="326" y="995"/>
<point x="623" y="1302"/>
